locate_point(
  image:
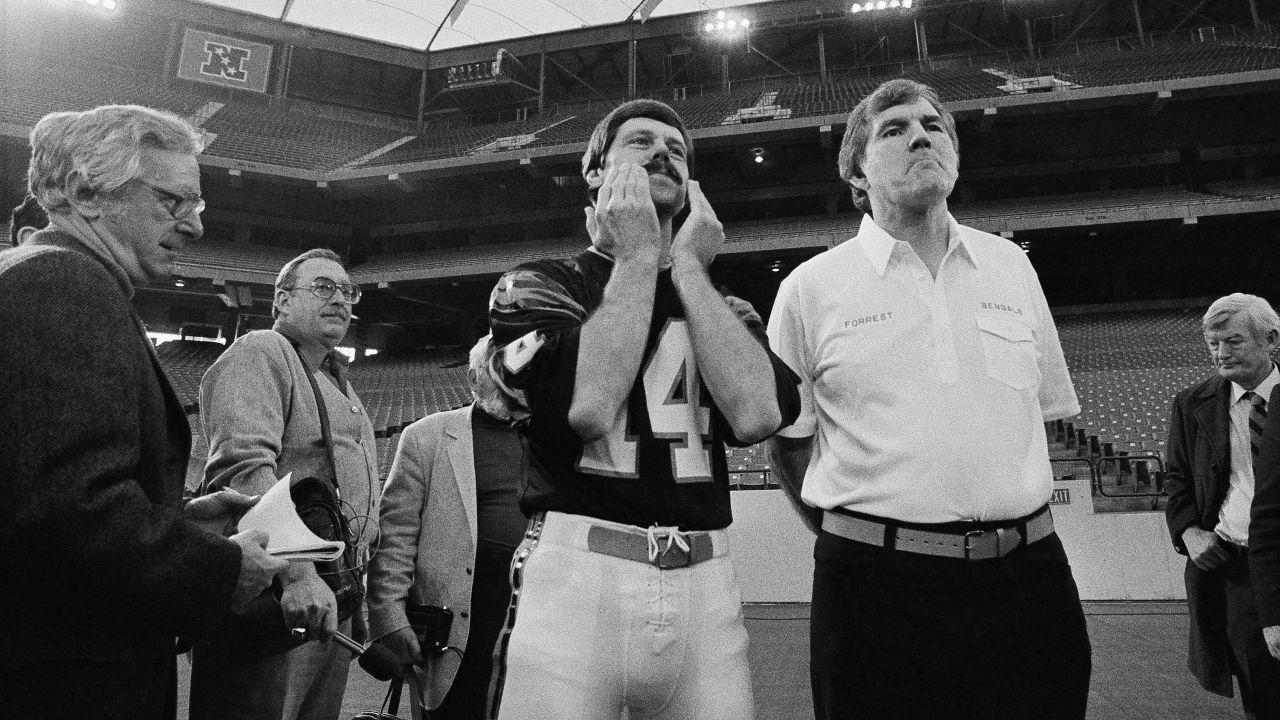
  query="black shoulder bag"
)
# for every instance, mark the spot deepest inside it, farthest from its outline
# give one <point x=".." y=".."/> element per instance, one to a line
<point x="319" y="505"/>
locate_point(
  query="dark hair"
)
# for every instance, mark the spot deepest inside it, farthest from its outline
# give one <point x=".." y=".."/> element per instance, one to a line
<point x="28" y="214"/>
<point x="857" y="129"/>
<point x="289" y="273"/>
<point x="607" y="129"/>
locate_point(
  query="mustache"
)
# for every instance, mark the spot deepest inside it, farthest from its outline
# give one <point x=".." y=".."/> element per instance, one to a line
<point x="664" y="167"/>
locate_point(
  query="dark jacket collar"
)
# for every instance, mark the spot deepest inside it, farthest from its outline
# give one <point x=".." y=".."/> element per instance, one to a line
<point x="53" y="237"/>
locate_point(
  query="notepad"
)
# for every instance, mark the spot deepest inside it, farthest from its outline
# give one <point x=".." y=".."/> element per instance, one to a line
<point x="290" y="538"/>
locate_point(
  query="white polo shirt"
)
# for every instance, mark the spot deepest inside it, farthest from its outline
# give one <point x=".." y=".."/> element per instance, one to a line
<point x="925" y="397"/>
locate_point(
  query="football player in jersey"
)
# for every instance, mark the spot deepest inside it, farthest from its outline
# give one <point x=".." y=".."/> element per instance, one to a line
<point x="637" y="372"/>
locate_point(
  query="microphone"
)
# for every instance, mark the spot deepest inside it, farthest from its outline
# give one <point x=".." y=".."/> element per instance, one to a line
<point x="376" y="659"/>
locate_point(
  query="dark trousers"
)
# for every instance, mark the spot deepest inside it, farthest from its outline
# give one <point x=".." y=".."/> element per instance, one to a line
<point x="1257" y="672"/>
<point x="490" y="595"/>
<point x="80" y="689"/>
<point x="907" y="636"/>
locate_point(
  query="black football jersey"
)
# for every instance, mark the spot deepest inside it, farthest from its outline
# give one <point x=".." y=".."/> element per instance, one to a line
<point x="663" y="461"/>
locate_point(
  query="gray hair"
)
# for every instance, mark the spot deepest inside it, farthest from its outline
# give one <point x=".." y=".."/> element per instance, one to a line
<point x="1257" y="312"/>
<point x="857" y="131"/>
<point x="104" y="145"/>
<point x="288" y="276"/>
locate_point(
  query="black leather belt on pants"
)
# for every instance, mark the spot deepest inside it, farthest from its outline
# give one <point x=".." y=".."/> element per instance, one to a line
<point x="970" y="545"/>
<point x="635" y="546"/>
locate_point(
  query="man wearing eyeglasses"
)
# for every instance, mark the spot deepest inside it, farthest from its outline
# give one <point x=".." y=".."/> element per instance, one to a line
<point x="102" y="572"/>
<point x="262" y="420"/>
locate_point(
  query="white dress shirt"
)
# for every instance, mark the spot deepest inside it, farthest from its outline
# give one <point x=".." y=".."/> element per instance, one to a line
<point x="1233" y="516"/>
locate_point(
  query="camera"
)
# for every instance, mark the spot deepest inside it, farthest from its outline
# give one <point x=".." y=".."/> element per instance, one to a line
<point x="432" y="624"/>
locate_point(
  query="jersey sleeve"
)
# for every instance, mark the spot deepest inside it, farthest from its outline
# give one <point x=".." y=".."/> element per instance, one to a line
<point x="536" y="319"/>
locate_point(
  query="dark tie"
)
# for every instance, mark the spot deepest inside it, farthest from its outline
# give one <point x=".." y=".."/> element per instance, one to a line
<point x="1257" y="416"/>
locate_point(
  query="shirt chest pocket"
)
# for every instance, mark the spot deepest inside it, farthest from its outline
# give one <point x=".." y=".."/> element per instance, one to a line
<point x="1009" y="348"/>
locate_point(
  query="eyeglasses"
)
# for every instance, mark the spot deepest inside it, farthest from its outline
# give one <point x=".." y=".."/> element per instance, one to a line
<point x="324" y="288"/>
<point x="184" y="206"/>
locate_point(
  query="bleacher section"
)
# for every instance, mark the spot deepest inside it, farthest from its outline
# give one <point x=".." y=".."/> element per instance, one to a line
<point x="242" y="262"/>
<point x="259" y="133"/>
<point x="397" y="390"/>
<point x="185" y="362"/>
<point x="290" y="135"/>
<point x="816" y="231"/>
<point x="1127" y="366"/>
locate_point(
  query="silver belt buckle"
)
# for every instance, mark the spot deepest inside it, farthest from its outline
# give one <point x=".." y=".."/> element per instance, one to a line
<point x="1007" y="540"/>
<point x="969" y="537"/>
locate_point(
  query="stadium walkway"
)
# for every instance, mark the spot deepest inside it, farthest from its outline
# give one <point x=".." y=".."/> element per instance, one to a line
<point x="1139" y="667"/>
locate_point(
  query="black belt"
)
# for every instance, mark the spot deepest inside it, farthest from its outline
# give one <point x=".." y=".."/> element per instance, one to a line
<point x="970" y="545"/>
<point x="635" y="546"/>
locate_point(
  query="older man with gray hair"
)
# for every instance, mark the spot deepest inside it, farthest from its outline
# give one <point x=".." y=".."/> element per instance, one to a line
<point x="103" y="571"/>
<point x="1215" y="435"/>
<point x="928" y="360"/>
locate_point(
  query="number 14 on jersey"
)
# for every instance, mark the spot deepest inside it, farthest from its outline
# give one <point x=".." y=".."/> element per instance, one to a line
<point x="678" y="411"/>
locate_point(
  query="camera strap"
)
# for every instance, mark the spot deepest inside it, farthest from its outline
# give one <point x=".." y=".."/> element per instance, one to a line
<point x="324" y="421"/>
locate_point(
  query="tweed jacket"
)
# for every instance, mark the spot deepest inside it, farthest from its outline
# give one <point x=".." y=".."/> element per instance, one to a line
<point x="428" y="545"/>
<point x="260" y="416"/>
<point x="1197" y="478"/>
<point x="98" y="562"/>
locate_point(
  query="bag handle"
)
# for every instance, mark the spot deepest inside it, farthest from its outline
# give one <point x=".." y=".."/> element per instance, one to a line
<point x="324" y="421"/>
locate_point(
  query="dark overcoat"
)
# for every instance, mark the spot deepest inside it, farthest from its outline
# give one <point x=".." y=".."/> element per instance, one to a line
<point x="98" y="564"/>
<point x="1197" y="478"/>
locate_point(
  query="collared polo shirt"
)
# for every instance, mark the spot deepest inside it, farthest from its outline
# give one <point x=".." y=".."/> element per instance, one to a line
<point x="924" y="397"/>
<point x="1233" y="516"/>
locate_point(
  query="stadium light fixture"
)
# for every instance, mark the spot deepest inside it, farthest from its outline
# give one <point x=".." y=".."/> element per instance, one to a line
<point x="108" y="5"/>
<point x="878" y="5"/>
<point x="726" y="25"/>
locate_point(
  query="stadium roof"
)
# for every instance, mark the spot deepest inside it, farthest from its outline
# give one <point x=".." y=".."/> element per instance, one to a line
<point x="445" y="24"/>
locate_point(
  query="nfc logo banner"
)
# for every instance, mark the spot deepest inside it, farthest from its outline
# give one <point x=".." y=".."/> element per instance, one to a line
<point x="223" y="60"/>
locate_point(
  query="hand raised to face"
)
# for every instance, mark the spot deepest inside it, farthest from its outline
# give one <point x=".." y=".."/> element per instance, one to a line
<point x="702" y="235"/>
<point x="624" y="222"/>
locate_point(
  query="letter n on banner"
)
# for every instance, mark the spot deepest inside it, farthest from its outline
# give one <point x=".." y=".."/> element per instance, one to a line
<point x="223" y="60"/>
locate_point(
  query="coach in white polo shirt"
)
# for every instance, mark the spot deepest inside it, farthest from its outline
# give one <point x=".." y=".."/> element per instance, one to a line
<point x="928" y="362"/>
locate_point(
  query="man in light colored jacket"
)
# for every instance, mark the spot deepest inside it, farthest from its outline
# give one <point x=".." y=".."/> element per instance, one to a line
<point x="450" y="521"/>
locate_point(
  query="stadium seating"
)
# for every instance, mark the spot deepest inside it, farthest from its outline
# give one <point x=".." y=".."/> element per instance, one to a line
<point x="292" y="134"/>
<point x="233" y="261"/>
<point x="1127" y="367"/>
<point x="262" y="133"/>
<point x="397" y="390"/>
<point x="185" y="362"/>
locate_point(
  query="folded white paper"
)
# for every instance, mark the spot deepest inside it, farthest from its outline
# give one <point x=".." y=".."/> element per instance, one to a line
<point x="290" y="539"/>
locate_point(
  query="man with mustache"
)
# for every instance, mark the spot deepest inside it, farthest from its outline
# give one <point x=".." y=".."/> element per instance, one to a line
<point x="637" y="372"/>
<point x="262" y="419"/>
<point x="928" y="363"/>
<point x="1215" y="439"/>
